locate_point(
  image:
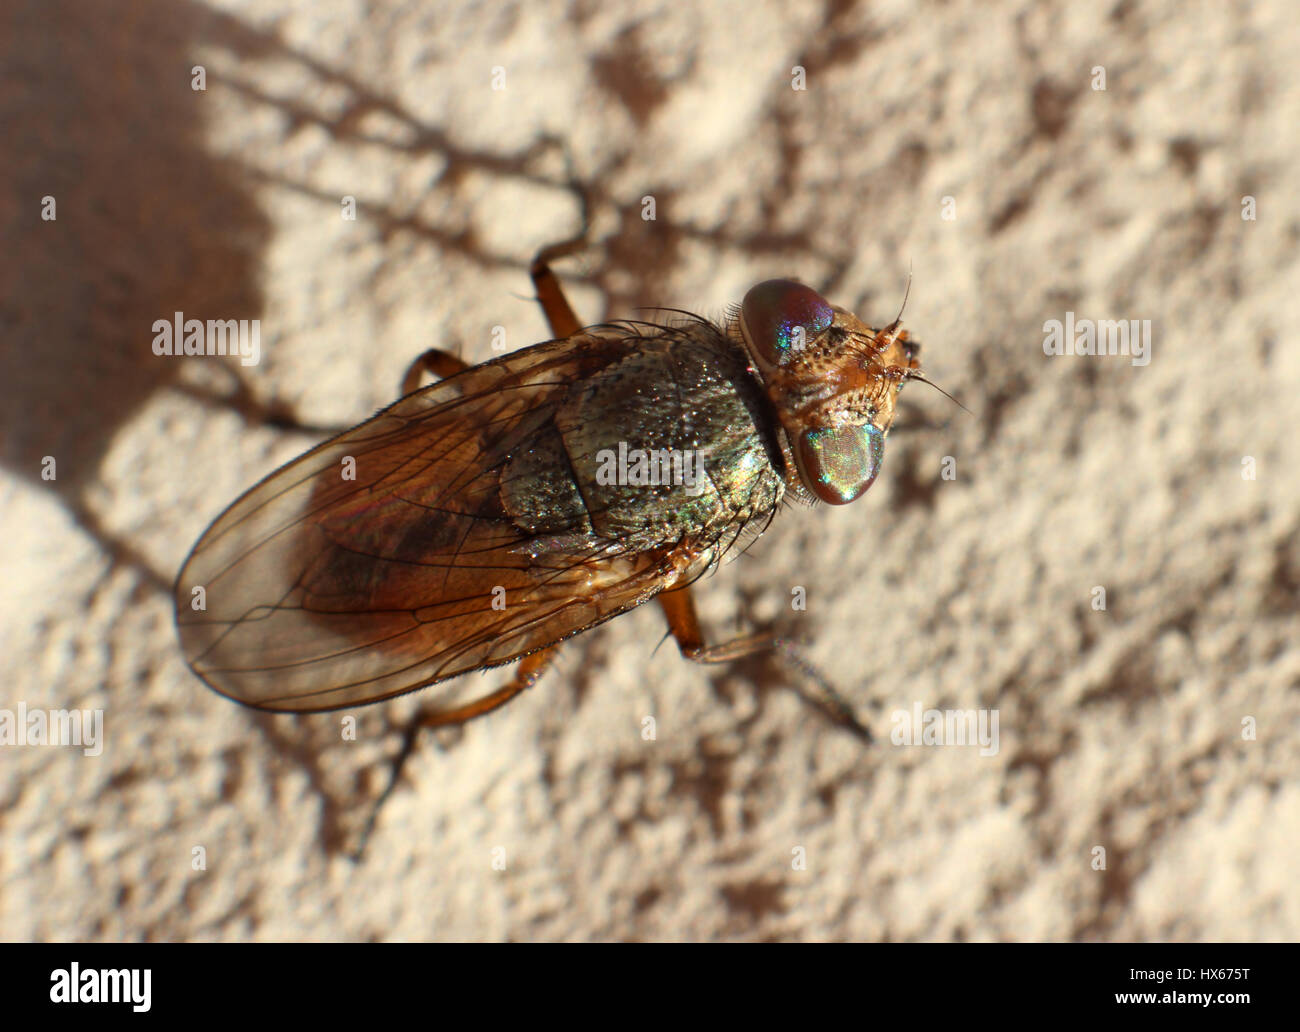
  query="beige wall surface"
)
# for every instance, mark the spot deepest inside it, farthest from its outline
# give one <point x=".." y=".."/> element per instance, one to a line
<point x="1104" y="551"/>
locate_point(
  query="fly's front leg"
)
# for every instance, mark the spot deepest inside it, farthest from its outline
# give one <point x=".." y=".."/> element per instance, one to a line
<point x="684" y="624"/>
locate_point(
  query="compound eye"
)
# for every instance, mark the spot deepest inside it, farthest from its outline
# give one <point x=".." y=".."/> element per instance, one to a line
<point x="781" y="317"/>
<point x="838" y="463"/>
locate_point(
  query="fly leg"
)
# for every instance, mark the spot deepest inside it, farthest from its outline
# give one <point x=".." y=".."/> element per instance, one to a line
<point x="678" y="605"/>
<point x="441" y="364"/>
<point x="550" y="295"/>
<point x="526" y="675"/>
<point x="555" y="306"/>
<point x="684" y="625"/>
<point x="528" y="671"/>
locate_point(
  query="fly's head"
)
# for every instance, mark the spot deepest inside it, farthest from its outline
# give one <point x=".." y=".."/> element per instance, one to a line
<point x="832" y="380"/>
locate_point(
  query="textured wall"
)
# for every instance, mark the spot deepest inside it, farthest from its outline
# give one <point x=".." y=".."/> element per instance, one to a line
<point x="1119" y="728"/>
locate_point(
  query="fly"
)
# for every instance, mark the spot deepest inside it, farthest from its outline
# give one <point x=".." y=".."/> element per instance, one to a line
<point x="483" y="519"/>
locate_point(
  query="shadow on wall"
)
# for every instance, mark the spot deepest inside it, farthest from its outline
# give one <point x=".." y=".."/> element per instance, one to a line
<point x="99" y="115"/>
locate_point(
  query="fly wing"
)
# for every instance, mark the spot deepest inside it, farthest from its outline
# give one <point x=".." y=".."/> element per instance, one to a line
<point x="385" y="559"/>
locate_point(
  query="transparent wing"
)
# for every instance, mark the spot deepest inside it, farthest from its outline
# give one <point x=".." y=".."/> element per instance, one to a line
<point x="384" y="560"/>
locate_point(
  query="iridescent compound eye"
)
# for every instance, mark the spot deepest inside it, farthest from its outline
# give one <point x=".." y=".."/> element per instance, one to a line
<point x="838" y="463"/>
<point x="780" y="317"/>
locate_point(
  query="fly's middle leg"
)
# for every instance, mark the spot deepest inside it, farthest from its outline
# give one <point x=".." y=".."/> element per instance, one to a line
<point x="684" y="625"/>
<point x="563" y="321"/>
<point x="559" y="313"/>
<point x="550" y="295"/>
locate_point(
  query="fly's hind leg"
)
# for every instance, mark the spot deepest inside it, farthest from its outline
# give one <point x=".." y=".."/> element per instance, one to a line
<point x="526" y="675"/>
<point x="684" y="625"/>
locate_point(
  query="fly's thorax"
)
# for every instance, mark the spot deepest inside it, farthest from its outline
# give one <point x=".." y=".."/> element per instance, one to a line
<point x="831" y="379"/>
<point x="672" y="440"/>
